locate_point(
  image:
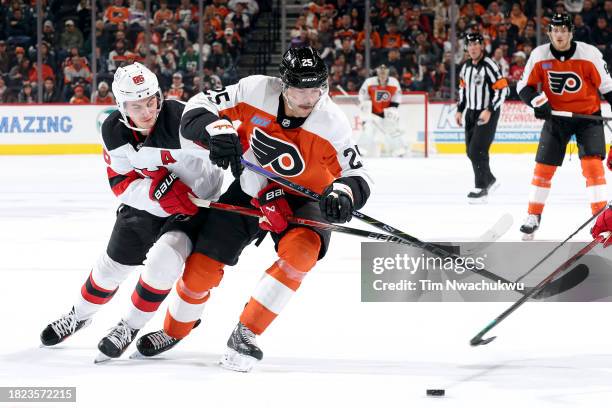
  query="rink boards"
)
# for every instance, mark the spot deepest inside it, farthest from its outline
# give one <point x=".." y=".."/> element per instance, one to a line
<point x="75" y="129"/>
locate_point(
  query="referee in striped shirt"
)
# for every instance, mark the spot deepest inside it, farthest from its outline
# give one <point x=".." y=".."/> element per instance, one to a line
<point x="482" y="90"/>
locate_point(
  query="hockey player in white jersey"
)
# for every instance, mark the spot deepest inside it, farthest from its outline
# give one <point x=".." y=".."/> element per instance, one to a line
<point x="379" y="100"/>
<point x="291" y="127"/>
<point x="152" y="170"/>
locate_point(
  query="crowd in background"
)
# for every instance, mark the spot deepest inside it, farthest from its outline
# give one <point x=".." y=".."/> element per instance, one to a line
<point x="120" y="39"/>
<point x="411" y="37"/>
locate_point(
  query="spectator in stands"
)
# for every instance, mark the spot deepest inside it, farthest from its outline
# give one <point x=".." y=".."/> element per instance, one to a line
<point x="498" y="57"/>
<point x="4" y="90"/>
<point x="75" y="74"/>
<point x="79" y="97"/>
<point x="241" y="20"/>
<point x="589" y="14"/>
<point x="20" y="72"/>
<point x="518" y="18"/>
<point x="177" y="90"/>
<point x="185" y="12"/>
<point x="71" y="37"/>
<point x="582" y="32"/>
<point x="103" y="95"/>
<point x="19" y="28"/>
<point x="495" y="14"/>
<point x="607" y="11"/>
<point x="375" y="40"/>
<point x="347" y="51"/>
<point x="601" y="34"/>
<point x="137" y="15"/>
<point x="163" y="15"/>
<point x="393" y="39"/>
<point x="189" y="59"/>
<point x="47" y="72"/>
<point x="26" y="95"/>
<point x="393" y="60"/>
<point x="231" y="42"/>
<point x="5" y="59"/>
<point x="118" y="56"/>
<point x="49" y="35"/>
<point x="116" y="13"/>
<point x="516" y="71"/>
<point x="168" y="63"/>
<point x="209" y="79"/>
<point x="218" y="57"/>
<point x="472" y="6"/>
<point x="50" y="92"/>
<point x="345" y="30"/>
<point x="252" y="8"/>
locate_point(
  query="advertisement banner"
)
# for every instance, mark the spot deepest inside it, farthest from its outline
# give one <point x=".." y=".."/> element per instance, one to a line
<point x="52" y="129"/>
<point x="518" y="131"/>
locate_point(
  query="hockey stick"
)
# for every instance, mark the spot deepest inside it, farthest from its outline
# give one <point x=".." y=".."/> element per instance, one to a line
<point x="478" y="339"/>
<point x="580" y="115"/>
<point x="562" y="243"/>
<point x="492" y="234"/>
<point x="432" y="248"/>
<point x="299" y="221"/>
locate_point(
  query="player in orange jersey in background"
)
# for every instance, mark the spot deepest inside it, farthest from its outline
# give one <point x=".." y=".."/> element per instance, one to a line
<point x="571" y="74"/>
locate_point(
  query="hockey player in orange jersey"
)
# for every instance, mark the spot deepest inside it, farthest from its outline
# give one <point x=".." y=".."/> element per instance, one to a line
<point x="571" y="74"/>
<point x="291" y="127"/>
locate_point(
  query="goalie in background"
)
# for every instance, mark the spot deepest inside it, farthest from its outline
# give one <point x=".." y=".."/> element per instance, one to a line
<point x="379" y="99"/>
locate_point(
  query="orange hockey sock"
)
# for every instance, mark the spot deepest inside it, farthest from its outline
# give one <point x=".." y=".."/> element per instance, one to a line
<point x="593" y="171"/>
<point x="298" y="252"/>
<point x="193" y="289"/>
<point x="540" y="187"/>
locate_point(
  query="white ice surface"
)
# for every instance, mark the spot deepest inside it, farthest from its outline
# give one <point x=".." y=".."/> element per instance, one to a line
<point x="327" y="348"/>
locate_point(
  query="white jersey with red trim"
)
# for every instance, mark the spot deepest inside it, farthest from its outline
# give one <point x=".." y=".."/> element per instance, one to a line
<point x="571" y="84"/>
<point x="381" y="95"/>
<point x="312" y="151"/>
<point x="127" y="151"/>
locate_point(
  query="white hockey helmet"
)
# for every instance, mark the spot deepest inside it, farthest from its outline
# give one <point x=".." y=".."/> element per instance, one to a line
<point x="133" y="83"/>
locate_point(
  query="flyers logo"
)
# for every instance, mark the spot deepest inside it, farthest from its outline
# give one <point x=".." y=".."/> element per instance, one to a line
<point x="283" y="157"/>
<point x="138" y="79"/>
<point x="382" y="96"/>
<point x="564" y="81"/>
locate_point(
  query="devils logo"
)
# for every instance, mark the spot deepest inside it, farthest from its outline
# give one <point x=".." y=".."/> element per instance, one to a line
<point x="284" y="157"/>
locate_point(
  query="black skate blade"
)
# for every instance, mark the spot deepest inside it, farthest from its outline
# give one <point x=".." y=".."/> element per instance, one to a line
<point x="477" y="341"/>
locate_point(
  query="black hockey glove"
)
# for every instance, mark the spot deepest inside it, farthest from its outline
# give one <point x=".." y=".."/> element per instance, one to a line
<point x="541" y="107"/>
<point x="224" y="146"/>
<point x="336" y="203"/>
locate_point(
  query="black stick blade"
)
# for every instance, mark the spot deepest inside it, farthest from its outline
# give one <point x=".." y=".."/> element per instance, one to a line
<point x="479" y="341"/>
<point x="566" y="282"/>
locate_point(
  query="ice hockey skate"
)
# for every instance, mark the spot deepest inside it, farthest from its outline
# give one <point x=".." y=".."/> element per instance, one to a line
<point x="481" y="195"/>
<point x="62" y="328"/>
<point x="115" y="342"/>
<point x="242" y="351"/>
<point x="155" y="343"/>
<point x="530" y="226"/>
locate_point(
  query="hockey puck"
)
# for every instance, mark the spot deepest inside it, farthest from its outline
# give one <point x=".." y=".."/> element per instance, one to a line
<point x="435" y="393"/>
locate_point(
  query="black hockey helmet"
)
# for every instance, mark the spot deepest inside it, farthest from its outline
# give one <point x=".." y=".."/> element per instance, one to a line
<point x="559" y="20"/>
<point x="303" y="68"/>
<point x="473" y="36"/>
